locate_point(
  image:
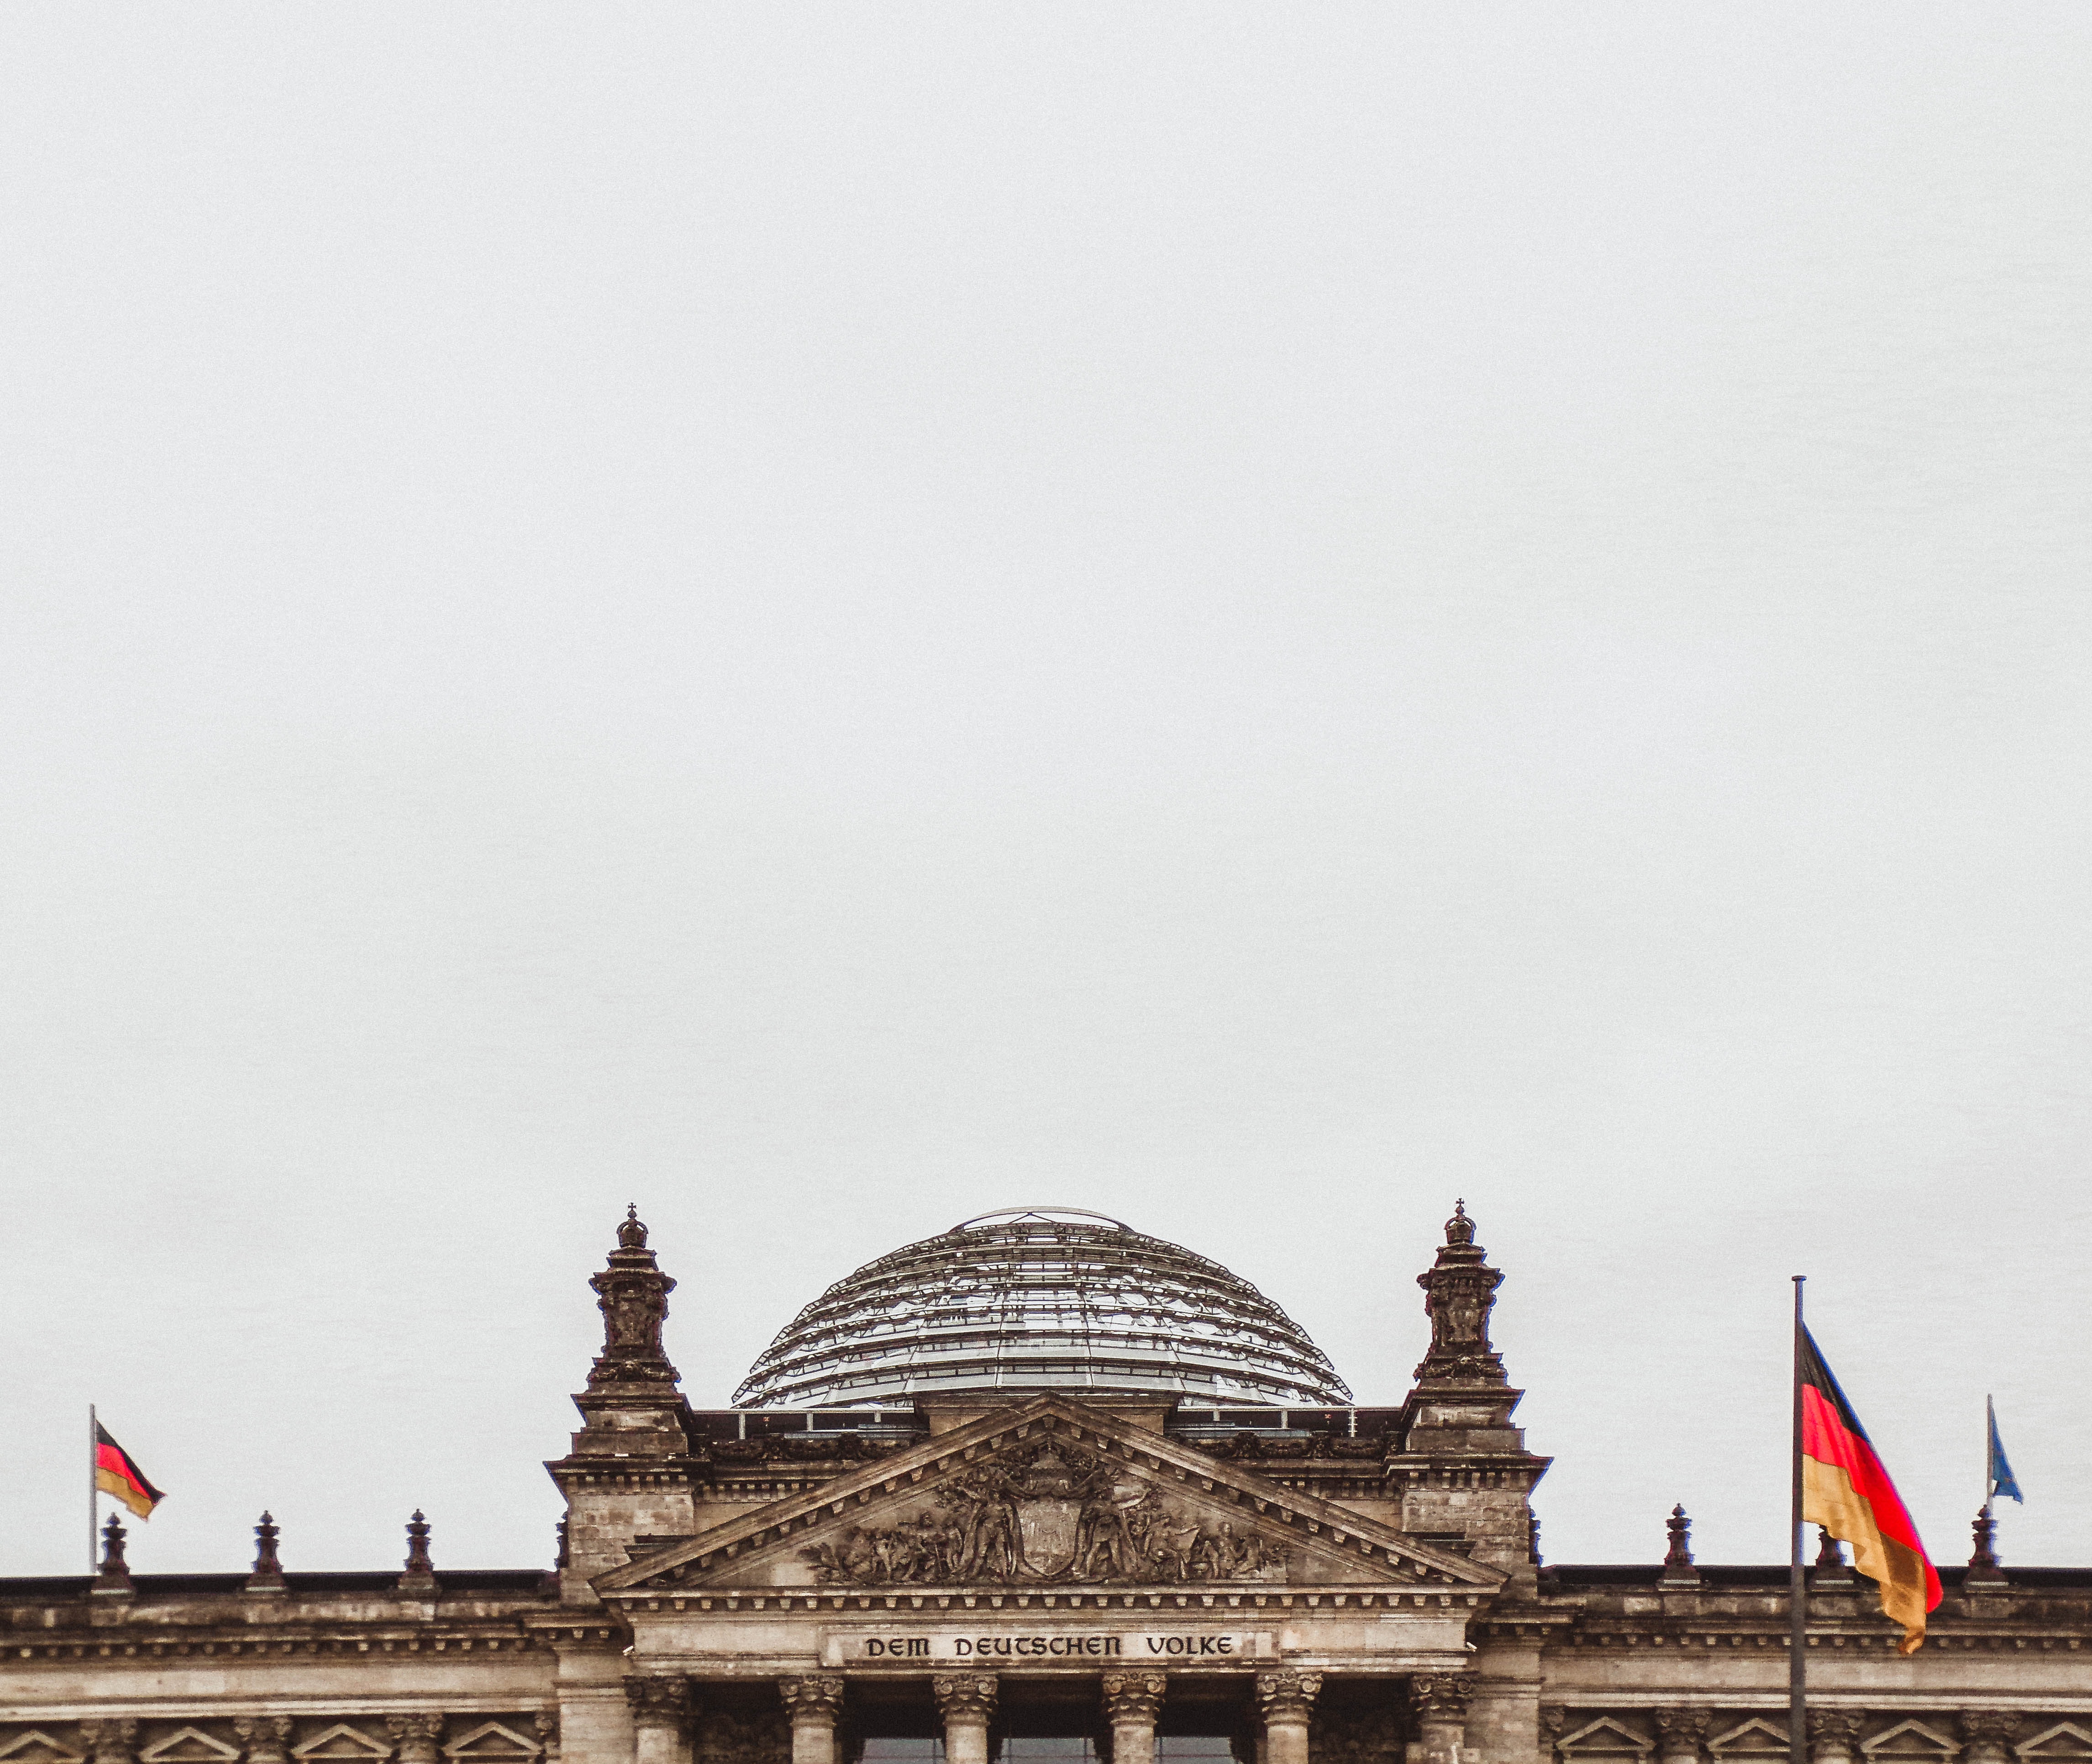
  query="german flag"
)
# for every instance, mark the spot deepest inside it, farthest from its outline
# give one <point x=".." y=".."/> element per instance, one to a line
<point x="115" y="1473"/>
<point x="1845" y="1490"/>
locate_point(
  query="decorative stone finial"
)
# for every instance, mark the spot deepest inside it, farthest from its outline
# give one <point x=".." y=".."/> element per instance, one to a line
<point x="268" y="1575"/>
<point x="421" y="1574"/>
<point x="115" y="1574"/>
<point x="1983" y="1564"/>
<point x="1832" y="1569"/>
<point x="632" y="1293"/>
<point x="1677" y="1569"/>
<point x="1458" y="1293"/>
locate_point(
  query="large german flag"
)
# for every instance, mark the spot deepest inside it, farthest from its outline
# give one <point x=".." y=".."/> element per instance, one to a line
<point x="115" y="1473"/>
<point x="1845" y="1490"/>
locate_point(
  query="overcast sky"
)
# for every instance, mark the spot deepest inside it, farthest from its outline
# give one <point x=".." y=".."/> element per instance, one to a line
<point x="828" y="618"/>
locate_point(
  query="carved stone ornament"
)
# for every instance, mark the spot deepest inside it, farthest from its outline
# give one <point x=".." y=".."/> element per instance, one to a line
<point x="1134" y="1696"/>
<point x="414" y="1737"/>
<point x="264" y="1739"/>
<point x="1989" y="1732"/>
<point x="632" y="1293"/>
<point x="1459" y="1292"/>
<point x="658" y="1702"/>
<point x="1554" y="1718"/>
<point x="1831" y="1732"/>
<point x="111" y="1741"/>
<point x="964" y="1696"/>
<point x="1287" y="1696"/>
<point x="1052" y="1513"/>
<point x="816" y="1696"/>
<point x="546" y="1722"/>
<point x="1682" y="1733"/>
<point x="1439" y="1695"/>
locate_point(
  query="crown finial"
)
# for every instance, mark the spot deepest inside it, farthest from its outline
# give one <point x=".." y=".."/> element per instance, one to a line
<point x="632" y="1234"/>
<point x="1460" y="1229"/>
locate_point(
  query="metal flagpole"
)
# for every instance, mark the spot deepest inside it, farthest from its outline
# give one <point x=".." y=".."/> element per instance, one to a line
<point x="1797" y="1584"/>
<point x="1989" y="1433"/>
<point x="93" y="1488"/>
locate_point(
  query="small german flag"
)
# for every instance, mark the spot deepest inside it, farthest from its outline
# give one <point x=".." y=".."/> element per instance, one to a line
<point x="115" y="1473"/>
<point x="1845" y="1490"/>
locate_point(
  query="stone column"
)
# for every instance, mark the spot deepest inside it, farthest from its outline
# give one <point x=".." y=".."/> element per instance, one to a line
<point x="414" y="1737"/>
<point x="660" y="1719"/>
<point x="1989" y="1732"/>
<point x="1286" y="1699"/>
<point x="1132" y="1701"/>
<point x="966" y="1700"/>
<point x="815" y="1702"/>
<point x="1438" y="1711"/>
<point x="1681" y="1734"/>
<point x="1831" y="1732"/>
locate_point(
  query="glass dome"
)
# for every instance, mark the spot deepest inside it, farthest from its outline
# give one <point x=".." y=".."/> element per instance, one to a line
<point x="1038" y="1298"/>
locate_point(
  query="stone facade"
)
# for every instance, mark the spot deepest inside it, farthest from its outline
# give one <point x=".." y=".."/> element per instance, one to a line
<point x="745" y="1588"/>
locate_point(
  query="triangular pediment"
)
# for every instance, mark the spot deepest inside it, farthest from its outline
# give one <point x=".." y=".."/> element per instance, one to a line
<point x="187" y="1746"/>
<point x="1604" y="1736"/>
<point x="1908" y="1738"/>
<point x="1049" y="1493"/>
<point x="492" y="1739"/>
<point x="2065" y="1740"/>
<point x="37" y="1747"/>
<point x="1751" y="1738"/>
<point x="341" y="1741"/>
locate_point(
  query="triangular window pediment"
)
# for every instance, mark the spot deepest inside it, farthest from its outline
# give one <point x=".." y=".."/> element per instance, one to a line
<point x="1601" y="1738"/>
<point x="341" y="1741"/>
<point x="2065" y="1739"/>
<point x="37" y="1747"/>
<point x="1050" y="1494"/>
<point x="1754" y="1738"/>
<point x="491" y="1740"/>
<point x="1909" y="1739"/>
<point x="187" y="1746"/>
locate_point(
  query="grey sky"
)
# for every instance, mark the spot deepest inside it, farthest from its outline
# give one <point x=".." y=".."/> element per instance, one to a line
<point x="830" y="618"/>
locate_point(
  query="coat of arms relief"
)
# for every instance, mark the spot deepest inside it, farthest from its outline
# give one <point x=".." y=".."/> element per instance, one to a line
<point x="1050" y="1514"/>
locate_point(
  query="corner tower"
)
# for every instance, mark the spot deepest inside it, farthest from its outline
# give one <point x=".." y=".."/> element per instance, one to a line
<point x="629" y="1474"/>
<point x="1463" y="1470"/>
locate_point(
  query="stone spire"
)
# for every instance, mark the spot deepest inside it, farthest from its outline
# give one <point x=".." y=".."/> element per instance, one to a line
<point x="1461" y="1468"/>
<point x="629" y="1473"/>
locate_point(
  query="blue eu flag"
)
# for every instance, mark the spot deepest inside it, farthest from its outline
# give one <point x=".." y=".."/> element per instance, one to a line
<point x="2002" y="1480"/>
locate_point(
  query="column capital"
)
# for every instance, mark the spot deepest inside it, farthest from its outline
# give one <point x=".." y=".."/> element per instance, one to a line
<point x="264" y="1738"/>
<point x="1839" y="1726"/>
<point x="1439" y="1696"/>
<point x="1133" y="1696"/>
<point x="659" y="1701"/>
<point x="1286" y="1695"/>
<point x="1680" y="1732"/>
<point x="812" y="1696"/>
<point x="963" y="1695"/>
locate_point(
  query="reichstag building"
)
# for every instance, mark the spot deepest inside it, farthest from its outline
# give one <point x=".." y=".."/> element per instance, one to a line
<point x="1043" y="1489"/>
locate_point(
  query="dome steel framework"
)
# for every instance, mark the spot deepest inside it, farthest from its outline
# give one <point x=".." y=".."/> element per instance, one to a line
<point x="1034" y="1299"/>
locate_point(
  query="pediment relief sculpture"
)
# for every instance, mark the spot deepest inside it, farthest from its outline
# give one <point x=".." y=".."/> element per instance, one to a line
<point x="1053" y="1513"/>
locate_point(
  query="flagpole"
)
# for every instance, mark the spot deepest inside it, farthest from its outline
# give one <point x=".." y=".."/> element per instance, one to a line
<point x="94" y="1491"/>
<point x="1797" y="1583"/>
<point x="1989" y="1433"/>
